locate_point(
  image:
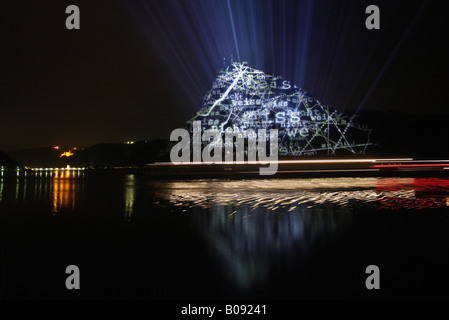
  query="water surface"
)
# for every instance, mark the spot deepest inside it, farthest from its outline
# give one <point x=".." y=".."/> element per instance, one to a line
<point x="135" y="237"/>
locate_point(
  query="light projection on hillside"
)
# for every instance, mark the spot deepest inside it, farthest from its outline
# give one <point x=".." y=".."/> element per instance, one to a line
<point x="244" y="98"/>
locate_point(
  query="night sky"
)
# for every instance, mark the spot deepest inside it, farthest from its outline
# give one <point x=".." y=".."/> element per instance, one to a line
<point x="138" y="69"/>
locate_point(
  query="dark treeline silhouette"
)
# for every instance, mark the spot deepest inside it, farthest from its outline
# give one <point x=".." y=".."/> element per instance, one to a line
<point x="7" y="161"/>
<point x="394" y="134"/>
<point x="407" y="135"/>
<point x="98" y="156"/>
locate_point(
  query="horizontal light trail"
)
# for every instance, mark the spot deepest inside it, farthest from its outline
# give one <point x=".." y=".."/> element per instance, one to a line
<point x="284" y="161"/>
<point x="328" y="170"/>
<point x="56" y="169"/>
<point x="408" y="165"/>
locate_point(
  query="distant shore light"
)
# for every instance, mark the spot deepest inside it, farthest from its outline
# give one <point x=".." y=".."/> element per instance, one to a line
<point x="67" y="154"/>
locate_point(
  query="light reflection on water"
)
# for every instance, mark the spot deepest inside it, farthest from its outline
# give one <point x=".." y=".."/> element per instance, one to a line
<point x="254" y="227"/>
<point x="251" y="243"/>
<point x="289" y="194"/>
<point x="63" y="189"/>
<point x="130" y="195"/>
